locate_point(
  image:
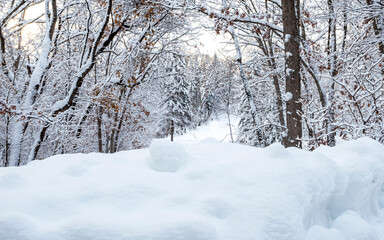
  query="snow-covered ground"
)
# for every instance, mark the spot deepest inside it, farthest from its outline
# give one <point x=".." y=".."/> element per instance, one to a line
<point x="198" y="190"/>
<point x="217" y="129"/>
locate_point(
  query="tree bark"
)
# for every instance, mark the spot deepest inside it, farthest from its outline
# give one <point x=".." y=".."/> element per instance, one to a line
<point x="291" y="12"/>
<point x="332" y="62"/>
<point x="378" y="30"/>
<point x="172" y="129"/>
<point x="99" y="130"/>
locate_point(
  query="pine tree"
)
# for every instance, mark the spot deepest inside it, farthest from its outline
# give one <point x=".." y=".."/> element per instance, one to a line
<point x="248" y="132"/>
<point x="176" y="106"/>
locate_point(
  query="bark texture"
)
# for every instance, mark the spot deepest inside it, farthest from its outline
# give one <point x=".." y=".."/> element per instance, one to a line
<point x="291" y="10"/>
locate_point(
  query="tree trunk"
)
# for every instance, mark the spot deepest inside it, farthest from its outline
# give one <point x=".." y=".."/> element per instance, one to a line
<point x="229" y="102"/>
<point x="172" y="129"/>
<point x="121" y="120"/>
<point x="34" y="83"/>
<point x="377" y="29"/>
<point x="99" y="130"/>
<point x="332" y="62"/>
<point x="291" y="11"/>
<point x="272" y="64"/>
<point x="107" y="142"/>
<point x="112" y="141"/>
<point x="37" y="144"/>
<point x="65" y="104"/>
<point x="243" y="76"/>
<point x="345" y="25"/>
<point x="6" y="157"/>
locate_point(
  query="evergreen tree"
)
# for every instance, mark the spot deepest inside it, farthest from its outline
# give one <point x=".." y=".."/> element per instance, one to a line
<point x="249" y="133"/>
<point x="176" y="106"/>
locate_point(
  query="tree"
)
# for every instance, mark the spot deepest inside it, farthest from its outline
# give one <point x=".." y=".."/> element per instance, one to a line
<point x="291" y="17"/>
<point x="176" y="106"/>
<point x="85" y="47"/>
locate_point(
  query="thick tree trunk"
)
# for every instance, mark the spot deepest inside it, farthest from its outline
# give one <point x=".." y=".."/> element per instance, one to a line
<point x="291" y="12"/>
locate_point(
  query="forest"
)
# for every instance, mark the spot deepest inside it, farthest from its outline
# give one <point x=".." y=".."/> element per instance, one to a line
<point x="80" y="76"/>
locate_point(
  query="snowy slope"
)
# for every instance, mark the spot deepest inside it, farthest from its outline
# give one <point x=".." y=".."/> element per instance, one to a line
<point x="205" y="190"/>
<point x="217" y="129"/>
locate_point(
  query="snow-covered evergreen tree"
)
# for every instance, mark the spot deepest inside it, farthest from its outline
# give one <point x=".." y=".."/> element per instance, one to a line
<point x="175" y="107"/>
<point x="249" y="133"/>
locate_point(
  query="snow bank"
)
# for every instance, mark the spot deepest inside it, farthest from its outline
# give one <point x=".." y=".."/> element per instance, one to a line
<point x="362" y="162"/>
<point x="203" y="191"/>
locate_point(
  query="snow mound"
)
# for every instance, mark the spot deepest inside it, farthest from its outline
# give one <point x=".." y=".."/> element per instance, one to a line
<point x="354" y="227"/>
<point x="166" y="156"/>
<point x="363" y="164"/>
<point x="225" y="192"/>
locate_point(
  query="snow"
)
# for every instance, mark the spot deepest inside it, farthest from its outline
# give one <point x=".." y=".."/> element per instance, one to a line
<point x="287" y="96"/>
<point x="287" y="37"/>
<point x="354" y="227"/>
<point x="213" y="131"/>
<point x="288" y="71"/>
<point x="166" y="156"/>
<point x="198" y="189"/>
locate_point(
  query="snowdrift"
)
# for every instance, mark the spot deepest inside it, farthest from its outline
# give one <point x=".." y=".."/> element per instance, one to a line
<point x="198" y="191"/>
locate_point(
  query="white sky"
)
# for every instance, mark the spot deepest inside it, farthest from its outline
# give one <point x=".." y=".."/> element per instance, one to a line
<point x="211" y="43"/>
<point x="208" y="42"/>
